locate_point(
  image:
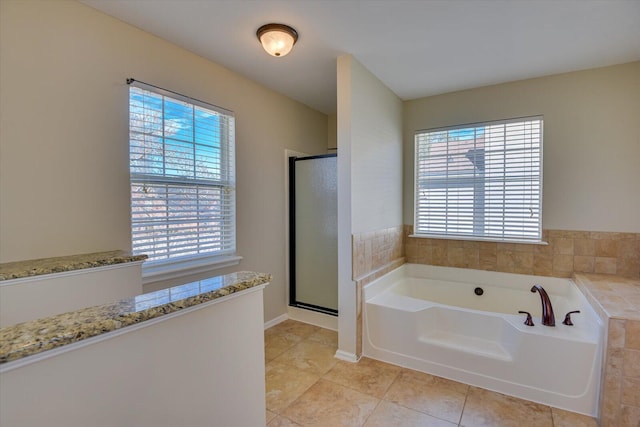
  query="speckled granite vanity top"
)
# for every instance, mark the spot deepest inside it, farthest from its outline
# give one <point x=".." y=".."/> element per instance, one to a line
<point x="29" y="338"/>
<point x="37" y="267"/>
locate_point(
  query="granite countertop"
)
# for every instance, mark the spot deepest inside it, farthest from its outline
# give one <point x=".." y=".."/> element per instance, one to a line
<point x="612" y="296"/>
<point x="30" y="338"/>
<point x="37" y="267"/>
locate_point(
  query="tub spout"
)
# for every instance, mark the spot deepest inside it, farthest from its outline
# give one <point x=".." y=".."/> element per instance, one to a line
<point x="548" y="319"/>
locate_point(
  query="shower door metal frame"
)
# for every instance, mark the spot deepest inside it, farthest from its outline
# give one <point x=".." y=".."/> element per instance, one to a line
<point x="292" y="237"/>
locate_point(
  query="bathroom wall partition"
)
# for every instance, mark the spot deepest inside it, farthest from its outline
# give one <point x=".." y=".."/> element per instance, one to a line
<point x="313" y="233"/>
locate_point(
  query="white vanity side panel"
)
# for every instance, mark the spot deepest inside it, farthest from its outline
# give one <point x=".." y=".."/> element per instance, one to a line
<point x="36" y="297"/>
<point x="202" y="368"/>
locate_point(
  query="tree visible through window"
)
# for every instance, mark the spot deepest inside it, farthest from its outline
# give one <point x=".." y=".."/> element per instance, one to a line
<point x="481" y="181"/>
<point x="182" y="176"/>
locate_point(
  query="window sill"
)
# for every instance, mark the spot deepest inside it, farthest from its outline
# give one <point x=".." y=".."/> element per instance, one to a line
<point x="157" y="272"/>
<point x="478" y="239"/>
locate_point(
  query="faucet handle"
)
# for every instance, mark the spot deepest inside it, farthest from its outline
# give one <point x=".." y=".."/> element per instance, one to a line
<point x="529" y="321"/>
<point x="567" y="319"/>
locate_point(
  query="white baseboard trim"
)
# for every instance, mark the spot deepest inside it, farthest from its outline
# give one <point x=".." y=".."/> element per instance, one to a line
<point x="274" y="322"/>
<point x="314" y="318"/>
<point x="347" y="357"/>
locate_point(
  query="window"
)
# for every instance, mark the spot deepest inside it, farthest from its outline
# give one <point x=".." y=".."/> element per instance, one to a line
<point x="182" y="177"/>
<point x="480" y="181"/>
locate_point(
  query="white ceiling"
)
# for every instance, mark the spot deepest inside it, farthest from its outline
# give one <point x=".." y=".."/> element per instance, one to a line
<point x="416" y="47"/>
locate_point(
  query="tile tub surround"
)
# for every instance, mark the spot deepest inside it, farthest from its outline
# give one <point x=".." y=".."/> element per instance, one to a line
<point x="373" y="250"/>
<point x="567" y="252"/>
<point x="37" y="267"/>
<point x="617" y="301"/>
<point x="34" y="337"/>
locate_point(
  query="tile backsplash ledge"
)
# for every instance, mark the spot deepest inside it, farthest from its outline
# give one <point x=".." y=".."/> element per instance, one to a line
<point x="373" y="250"/>
<point x="567" y="252"/>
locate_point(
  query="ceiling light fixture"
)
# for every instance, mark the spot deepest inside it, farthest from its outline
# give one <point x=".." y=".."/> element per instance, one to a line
<point x="277" y="39"/>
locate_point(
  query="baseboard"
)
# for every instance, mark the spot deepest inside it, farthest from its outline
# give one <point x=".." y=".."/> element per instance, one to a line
<point x="274" y="322"/>
<point x="315" y="318"/>
<point x="347" y="357"/>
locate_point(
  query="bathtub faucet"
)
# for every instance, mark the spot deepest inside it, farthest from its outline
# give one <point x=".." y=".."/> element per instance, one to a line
<point x="548" y="319"/>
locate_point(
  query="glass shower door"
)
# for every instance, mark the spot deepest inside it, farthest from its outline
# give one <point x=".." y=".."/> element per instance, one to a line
<point x="313" y="232"/>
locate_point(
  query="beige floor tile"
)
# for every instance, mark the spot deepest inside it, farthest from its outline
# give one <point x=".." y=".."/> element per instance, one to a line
<point x="571" y="419"/>
<point x="270" y="415"/>
<point x="489" y="409"/>
<point x="367" y="376"/>
<point x="389" y="414"/>
<point x="426" y="393"/>
<point x="299" y="329"/>
<point x="284" y="384"/>
<point x="310" y="357"/>
<point x="326" y="337"/>
<point x="329" y="404"/>
<point x="279" y="421"/>
<point x="277" y="344"/>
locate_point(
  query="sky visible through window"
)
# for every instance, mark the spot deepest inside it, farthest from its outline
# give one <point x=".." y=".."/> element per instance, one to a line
<point x="182" y="200"/>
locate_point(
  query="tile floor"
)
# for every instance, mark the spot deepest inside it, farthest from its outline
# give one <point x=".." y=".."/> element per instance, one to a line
<point x="308" y="386"/>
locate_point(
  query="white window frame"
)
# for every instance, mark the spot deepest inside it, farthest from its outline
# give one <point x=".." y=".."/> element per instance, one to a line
<point x="171" y="267"/>
<point x="440" y="176"/>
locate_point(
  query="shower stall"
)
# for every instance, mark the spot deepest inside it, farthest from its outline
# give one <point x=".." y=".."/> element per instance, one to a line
<point x="313" y="233"/>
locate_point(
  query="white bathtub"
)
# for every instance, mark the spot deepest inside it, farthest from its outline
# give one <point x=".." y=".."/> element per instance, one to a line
<point x="429" y="319"/>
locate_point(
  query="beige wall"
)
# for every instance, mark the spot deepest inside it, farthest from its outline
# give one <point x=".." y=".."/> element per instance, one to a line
<point x="376" y="153"/>
<point x="369" y="125"/>
<point x="64" y="135"/>
<point x="591" y="141"/>
<point x="332" y="132"/>
<point x="347" y="346"/>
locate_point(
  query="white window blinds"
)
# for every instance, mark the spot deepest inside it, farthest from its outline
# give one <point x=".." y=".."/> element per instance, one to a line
<point x="481" y="181"/>
<point x="182" y="176"/>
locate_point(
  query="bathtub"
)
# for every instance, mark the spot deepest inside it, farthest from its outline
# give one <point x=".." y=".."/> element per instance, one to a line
<point x="430" y="319"/>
